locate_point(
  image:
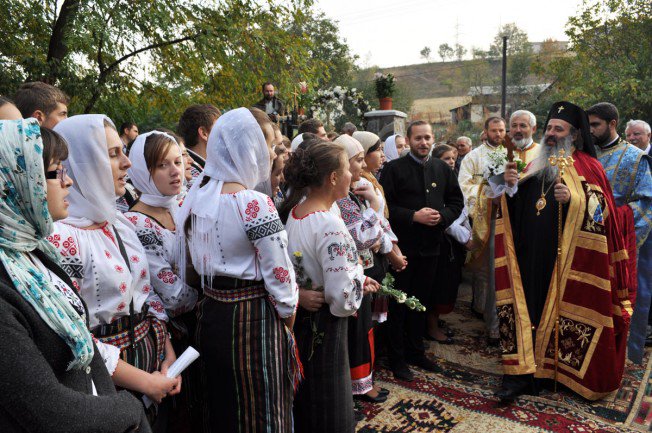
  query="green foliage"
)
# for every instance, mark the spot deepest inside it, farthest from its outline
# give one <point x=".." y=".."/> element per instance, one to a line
<point x="425" y="53"/>
<point x="445" y="51"/>
<point x="613" y="57"/>
<point x="385" y="85"/>
<point x="146" y="61"/>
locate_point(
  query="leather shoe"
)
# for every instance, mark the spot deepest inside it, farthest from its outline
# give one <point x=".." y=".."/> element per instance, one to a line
<point x="383" y="391"/>
<point x="493" y="342"/>
<point x="425" y="364"/>
<point x="403" y="373"/>
<point x="380" y="398"/>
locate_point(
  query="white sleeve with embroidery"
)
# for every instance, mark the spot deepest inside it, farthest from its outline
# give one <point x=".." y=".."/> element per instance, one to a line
<point x="343" y="274"/>
<point x="270" y="240"/>
<point x="177" y="297"/>
<point x="364" y="226"/>
<point x="65" y="242"/>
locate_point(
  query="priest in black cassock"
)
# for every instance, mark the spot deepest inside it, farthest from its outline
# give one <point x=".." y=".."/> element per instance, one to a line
<point x="591" y="303"/>
<point x="424" y="198"/>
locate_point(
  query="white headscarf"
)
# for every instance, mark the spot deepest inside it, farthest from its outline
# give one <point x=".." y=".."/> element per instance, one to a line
<point x="296" y="142"/>
<point x="142" y="179"/>
<point x="236" y="152"/>
<point x="92" y="197"/>
<point x="390" y="147"/>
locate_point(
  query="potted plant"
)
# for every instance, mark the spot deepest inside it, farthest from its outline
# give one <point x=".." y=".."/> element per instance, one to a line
<point x="384" y="89"/>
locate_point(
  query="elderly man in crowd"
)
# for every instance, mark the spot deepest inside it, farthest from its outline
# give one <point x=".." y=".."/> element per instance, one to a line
<point x="638" y="134"/>
<point x="463" y="145"/>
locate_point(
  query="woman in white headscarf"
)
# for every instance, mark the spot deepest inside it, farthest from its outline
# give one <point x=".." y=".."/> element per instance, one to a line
<point x="394" y="146"/>
<point x="102" y="254"/>
<point x="238" y="247"/>
<point x="53" y="376"/>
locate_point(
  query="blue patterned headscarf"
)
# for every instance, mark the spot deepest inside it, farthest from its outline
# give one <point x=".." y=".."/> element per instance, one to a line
<point x="24" y="223"/>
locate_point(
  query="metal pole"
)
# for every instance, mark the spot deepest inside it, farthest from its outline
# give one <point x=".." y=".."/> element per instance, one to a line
<point x="504" y="86"/>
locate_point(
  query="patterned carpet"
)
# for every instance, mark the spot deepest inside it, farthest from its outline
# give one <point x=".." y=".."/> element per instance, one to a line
<point x="459" y="397"/>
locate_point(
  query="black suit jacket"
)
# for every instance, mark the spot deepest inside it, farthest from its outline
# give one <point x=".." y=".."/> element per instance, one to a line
<point x="409" y="187"/>
<point x="38" y="393"/>
<point x="278" y="105"/>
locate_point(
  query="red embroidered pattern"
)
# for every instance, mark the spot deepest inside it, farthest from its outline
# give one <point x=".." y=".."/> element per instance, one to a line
<point x="54" y="240"/>
<point x="107" y="254"/>
<point x="123" y="287"/>
<point x="157" y="306"/>
<point x="121" y="306"/>
<point x="118" y="269"/>
<point x="166" y="276"/>
<point x="143" y="274"/>
<point x="148" y="223"/>
<point x="252" y="210"/>
<point x="134" y="259"/>
<point x="133" y="219"/>
<point x="147" y="288"/>
<point x="283" y="275"/>
<point x="76" y="284"/>
<point x="270" y="205"/>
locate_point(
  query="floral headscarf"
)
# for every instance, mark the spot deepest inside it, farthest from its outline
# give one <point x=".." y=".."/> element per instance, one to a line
<point x="24" y="223"/>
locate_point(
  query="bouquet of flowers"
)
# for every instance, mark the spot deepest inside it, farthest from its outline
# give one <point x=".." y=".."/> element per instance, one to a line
<point x="387" y="288"/>
<point x="497" y="162"/>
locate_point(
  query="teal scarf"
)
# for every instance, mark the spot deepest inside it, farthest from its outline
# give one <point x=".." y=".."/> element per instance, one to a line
<point x="24" y="224"/>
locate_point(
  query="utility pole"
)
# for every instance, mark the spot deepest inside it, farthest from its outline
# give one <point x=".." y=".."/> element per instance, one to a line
<point x="504" y="86"/>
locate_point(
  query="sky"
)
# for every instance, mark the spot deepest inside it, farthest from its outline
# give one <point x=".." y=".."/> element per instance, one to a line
<point x="393" y="32"/>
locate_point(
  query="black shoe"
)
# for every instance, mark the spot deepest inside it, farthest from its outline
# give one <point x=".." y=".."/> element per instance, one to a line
<point x="380" y="398"/>
<point x="402" y="372"/>
<point x="493" y="342"/>
<point x="447" y="340"/>
<point x="383" y="391"/>
<point x="515" y="386"/>
<point x="441" y="323"/>
<point x="425" y="364"/>
<point x="359" y="415"/>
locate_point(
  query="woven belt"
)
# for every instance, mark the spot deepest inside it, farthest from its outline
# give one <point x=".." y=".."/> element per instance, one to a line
<point x="122" y="340"/>
<point x="236" y="295"/>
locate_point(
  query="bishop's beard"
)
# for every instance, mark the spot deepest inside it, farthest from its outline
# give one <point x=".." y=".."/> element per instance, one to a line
<point x="546" y="171"/>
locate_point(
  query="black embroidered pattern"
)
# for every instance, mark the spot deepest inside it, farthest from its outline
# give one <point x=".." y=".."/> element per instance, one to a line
<point x="72" y="266"/>
<point x="507" y="329"/>
<point x="265" y="229"/>
<point x="574" y="342"/>
<point x="149" y="239"/>
<point x="342" y="249"/>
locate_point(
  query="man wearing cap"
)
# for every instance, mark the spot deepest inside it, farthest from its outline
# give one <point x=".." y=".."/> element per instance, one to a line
<point x="628" y="170"/>
<point x="424" y="198"/>
<point x="591" y="302"/>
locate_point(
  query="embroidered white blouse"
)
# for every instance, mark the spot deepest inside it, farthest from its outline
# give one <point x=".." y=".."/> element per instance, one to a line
<point x="92" y="259"/>
<point x="250" y="244"/>
<point x="330" y="259"/>
<point x="389" y="238"/>
<point x="110" y="354"/>
<point x="158" y="243"/>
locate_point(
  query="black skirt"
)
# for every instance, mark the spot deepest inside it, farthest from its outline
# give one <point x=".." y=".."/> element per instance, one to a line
<point x="323" y="403"/>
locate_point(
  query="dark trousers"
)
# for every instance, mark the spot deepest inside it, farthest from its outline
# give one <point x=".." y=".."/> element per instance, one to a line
<point x="405" y="327"/>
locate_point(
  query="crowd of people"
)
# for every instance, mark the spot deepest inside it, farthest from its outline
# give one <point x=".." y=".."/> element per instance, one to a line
<point x="121" y="249"/>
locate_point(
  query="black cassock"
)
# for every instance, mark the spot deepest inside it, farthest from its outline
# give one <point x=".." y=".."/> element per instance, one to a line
<point x="535" y="240"/>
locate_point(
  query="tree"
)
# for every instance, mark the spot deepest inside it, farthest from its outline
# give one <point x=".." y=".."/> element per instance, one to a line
<point x="425" y="53"/>
<point x="519" y="53"/>
<point x="613" y="57"/>
<point x="108" y="55"/>
<point x="460" y="51"/>
<point x="445" y="51"/>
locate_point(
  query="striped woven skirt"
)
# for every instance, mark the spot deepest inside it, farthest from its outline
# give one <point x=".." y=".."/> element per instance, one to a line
<point x="324" y="403"/>
<point x="147" y="349"/>
<point x="246" y="386"/>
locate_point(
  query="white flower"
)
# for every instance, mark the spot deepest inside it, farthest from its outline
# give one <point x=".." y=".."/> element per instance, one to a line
<point x="401" y="298"/>
<point x="353" y="91"/>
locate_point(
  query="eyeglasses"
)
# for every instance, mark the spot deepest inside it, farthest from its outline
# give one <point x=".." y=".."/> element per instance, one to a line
<point x="59" y="173"/>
